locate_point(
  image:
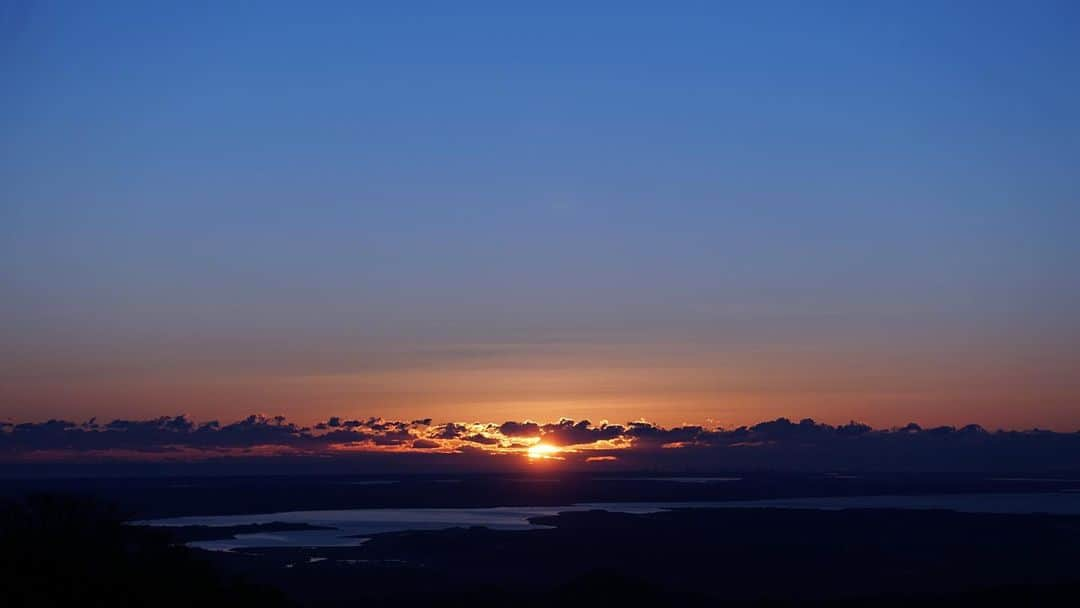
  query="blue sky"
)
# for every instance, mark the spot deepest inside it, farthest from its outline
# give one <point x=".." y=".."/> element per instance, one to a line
<point x="840" y="209"/>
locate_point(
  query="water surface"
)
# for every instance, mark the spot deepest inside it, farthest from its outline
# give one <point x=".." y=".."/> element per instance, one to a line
<point x="352" y="526"/>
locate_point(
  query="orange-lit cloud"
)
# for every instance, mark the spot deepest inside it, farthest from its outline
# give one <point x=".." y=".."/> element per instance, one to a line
<point x="633" y="444"/>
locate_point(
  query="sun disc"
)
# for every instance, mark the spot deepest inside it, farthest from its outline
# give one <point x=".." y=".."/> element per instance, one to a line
<point x="542" y="450"/>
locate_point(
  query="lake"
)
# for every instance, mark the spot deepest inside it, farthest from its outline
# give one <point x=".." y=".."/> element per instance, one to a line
<point x="352" y="525"/>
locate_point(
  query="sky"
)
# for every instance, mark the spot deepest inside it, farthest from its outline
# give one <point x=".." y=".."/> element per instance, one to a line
<point x="689" y="214"/>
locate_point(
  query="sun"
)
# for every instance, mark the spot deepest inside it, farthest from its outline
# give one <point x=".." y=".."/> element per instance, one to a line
<point x="543" y="450"/>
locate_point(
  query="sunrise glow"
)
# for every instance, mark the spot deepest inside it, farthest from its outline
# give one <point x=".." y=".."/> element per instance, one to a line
<point x="543" y="451"/>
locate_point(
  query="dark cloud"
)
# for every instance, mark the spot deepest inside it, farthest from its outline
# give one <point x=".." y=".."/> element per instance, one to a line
<point x="783" y="429"/>
<point x="519" y="429"/>
<point x="345" y="436"/>
<point x="645" y="433"/>
<point x="566" y="432"/>
<point x="392" y="436"/>
<point x="779" y="443"/>
<point x="481" y="439"/>
<point x="449" y="431"/>
<point x="853" y="429"/>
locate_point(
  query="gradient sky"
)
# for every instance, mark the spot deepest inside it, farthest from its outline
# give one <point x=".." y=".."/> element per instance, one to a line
<point x="856" y="210"/>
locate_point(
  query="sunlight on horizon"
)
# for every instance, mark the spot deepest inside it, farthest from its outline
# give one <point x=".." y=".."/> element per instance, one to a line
<point x="544" y="451"/>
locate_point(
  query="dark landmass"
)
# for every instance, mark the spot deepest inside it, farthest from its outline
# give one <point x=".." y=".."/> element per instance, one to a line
<point x="62" y="551"/>
<point x="735" y="555"/>
<point x="145" y="498"/>
<point x="187" y="534"/>
<point x="73" y="551"/>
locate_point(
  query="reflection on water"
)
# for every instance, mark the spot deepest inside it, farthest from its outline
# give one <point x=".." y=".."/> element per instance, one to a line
<point x="673" y="479"/>
<point x="352" y="526"/>
<point x="365" y="522"/>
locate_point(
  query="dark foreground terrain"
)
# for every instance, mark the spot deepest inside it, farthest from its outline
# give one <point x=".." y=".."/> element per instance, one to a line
<point x="696" y="556"/>
<point x="66" y="552"/>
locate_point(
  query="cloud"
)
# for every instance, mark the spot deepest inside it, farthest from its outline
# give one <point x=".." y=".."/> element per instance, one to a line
<point x="449" y="430"/>
<point x="645" y="433"/>
<point x="519" y="429"/>
<point x="481" y="439"/>
<point x="601" y="458"/>
<point x="779" y="444"/>
<point x="566" y="432"/>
